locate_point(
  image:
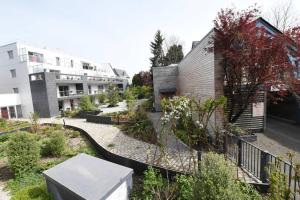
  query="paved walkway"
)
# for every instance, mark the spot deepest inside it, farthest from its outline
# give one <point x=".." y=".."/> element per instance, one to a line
<point x="280" y="138"/>
<point x="113" y="140"/>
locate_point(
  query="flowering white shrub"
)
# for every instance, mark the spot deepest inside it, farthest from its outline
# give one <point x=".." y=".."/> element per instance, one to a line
<point x="176" y="108"/>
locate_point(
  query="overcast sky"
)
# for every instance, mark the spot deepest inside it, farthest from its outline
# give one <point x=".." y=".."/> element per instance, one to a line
<point x="112" y="31"/>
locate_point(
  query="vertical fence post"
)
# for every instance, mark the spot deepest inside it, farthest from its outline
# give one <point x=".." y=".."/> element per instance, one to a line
<point x="264" y="161"/>
<point x="225" y="143"/>
<point x="240" y="152"/>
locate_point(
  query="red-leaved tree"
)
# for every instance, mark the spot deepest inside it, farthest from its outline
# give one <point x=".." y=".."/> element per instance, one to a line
<point x="252" y="58"/>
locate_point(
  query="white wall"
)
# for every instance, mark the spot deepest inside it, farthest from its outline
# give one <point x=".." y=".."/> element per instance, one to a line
<point x="7" y="83"/>
<point x="122" y="192"/>
<point x="9" y="100"/>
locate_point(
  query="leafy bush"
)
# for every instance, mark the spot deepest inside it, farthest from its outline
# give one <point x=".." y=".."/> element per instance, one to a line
<point x="23" y="181"/>
<point x="4" y="138"/>
<point x="113" y="95"/>
<point x="36" y="192"/>
<point x="3" y="123"/>
<point x="86" y="104"/>
<point x="74" y="134"/>
<point x="22" y="152"/>
<point x="54" y="145"/>
<point x="71" y="113"/>
<point x="235" y="130"/>
<point x="142" y="91"/>
<point x="102" y="97"/>
<point x="216" y="180"/>
<point x="185" y="186"/>
<point x="152" y="181"/>
<point x="34" y="119"/>
<point x="130" y="101"/>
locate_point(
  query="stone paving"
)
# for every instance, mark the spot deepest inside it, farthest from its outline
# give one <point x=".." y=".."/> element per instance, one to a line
<point x="113" y="140"/>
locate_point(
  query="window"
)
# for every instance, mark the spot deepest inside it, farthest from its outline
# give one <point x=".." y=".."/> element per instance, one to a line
<point x="57" y="61"/>
<point x="35" y="57"/>
<point x="72" y="63"/>
<point x="10" y="54"/>
<point x="16" y="90"/>
<point x="90" y="89"/>
<point x="13" y="73"/>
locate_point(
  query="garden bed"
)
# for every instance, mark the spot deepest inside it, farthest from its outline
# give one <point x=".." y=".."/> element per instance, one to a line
<point x="55" y="144"/>
<point x="7" y="126"/>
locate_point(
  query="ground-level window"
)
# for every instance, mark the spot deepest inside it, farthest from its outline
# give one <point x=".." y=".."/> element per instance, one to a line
<point x="12" y="112"/>
<point x="4" y="113"/>
<point x="57" y="61"/>
<point x="19" y="111"/>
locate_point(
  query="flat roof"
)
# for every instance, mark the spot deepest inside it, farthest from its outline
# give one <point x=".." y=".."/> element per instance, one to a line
<point x="88" y="177"/>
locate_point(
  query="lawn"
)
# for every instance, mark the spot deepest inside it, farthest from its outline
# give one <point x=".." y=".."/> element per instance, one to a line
<point x="54" y="144"/>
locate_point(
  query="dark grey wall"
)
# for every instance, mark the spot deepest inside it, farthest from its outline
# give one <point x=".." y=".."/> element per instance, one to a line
<point x="44" y="95"/>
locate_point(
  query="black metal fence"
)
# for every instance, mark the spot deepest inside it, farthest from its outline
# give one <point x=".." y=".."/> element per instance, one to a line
<point x="260" y="163"/>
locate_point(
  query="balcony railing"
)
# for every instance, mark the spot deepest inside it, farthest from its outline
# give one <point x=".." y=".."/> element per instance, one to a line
<point x="68" y="93"/>
<point x="68" y="77"/>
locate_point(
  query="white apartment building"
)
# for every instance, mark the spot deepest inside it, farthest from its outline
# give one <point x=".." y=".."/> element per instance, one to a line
<point x="46" y="81"/>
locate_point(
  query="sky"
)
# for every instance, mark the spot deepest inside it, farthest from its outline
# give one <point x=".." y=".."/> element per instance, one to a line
<point x="114" y="31"/>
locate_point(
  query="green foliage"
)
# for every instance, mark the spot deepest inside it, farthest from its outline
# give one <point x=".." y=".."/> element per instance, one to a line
<point x="156" y="49"/>
<point x="8" y="125"/>
<point x="235" y="130"/>
<point x="143" y="78"/>
<point x="102" y="97"/>
<point x="23" y="181"/>
<point x="130" y="101"/>
<point x="174" y="55"/>
<point x="54" y="145"/>
<point x="23" y="152"/>
<point x="185" y="187"/>
<point x="36" y="192"/>
<point x="279" y="188"/>
<point x="216" y="180"/>
<point x="153" y="184"/>
<point x="34" y="120"/>
<point x="113" y="95"/>
<point x="86" y="104"/>
<point x="74" y="134"/>
<point x="71" y="113"/>
<point x="142" y="92"/>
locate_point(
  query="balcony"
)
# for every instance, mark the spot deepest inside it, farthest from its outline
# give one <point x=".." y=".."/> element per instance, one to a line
<point x="67" y="93"/>
<point x="68" y="77"/>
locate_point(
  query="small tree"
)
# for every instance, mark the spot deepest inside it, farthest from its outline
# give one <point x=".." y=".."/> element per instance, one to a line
<point x="85" y="104"/>
<point x="251" y="59"/>
<point x="174" y="55"/>
<point x="34" y="119"/>
<point x="157" y="50"/>
<point x="102" y="97"/>
<point x="113" y="95"/>
<point x="143" y="78"/>
<point x="130" y="101"/>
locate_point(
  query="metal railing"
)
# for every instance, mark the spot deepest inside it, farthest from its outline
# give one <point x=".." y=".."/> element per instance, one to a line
<point x="68" y="77"/>
<point x="68" y="93"/>
<point x="260" y="163"/>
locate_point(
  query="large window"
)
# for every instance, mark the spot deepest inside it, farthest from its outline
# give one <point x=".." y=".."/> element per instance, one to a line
<point x="63" y="91"/>
<point x="35" y="57"/>
<point x="72" y="63"/>
<point x="10" y="54"/>
<point x="13" y="73"/>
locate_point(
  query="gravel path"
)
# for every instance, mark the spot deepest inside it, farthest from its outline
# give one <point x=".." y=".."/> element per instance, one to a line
<point x="113" y="140"/>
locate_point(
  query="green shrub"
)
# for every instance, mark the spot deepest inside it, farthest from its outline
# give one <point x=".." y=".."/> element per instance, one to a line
<point x="216" y="180"/>
<point x="185" y="187"/>
<point x="18" y="183"/>
<point x="36" y="192"/>
<point x="86" y="104"/>
<point x="54" y="145"/>
<point x="4" y="138"/>
<point x="152" y="181"/>
<point x="71" y="113"/>
<point x="74" y="134"/>
<point x="113" y="95"/>
<point x="3" y="124"/>
<point x="22" y="152"/>
<point x="102" y="97"/>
